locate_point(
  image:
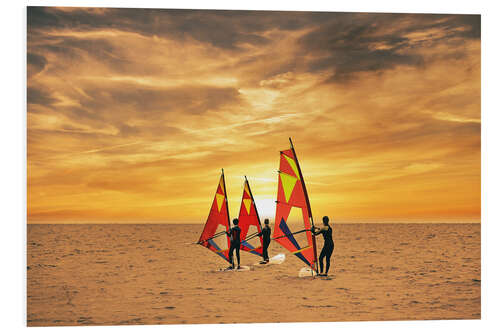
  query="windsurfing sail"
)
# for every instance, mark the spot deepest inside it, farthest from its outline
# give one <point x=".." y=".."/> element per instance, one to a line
<point x="213" y="236"/>
<point x="249" y="223"/>
<point x="292" y="196"/>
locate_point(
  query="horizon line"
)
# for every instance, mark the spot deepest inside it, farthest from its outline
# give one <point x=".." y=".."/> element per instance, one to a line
<point x="200" y="223"/>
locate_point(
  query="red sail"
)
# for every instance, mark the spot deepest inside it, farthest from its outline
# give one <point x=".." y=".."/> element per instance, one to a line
<point x="217" y="222"/>
<point x="292" y="195"/>
<point x="249" y="222"/>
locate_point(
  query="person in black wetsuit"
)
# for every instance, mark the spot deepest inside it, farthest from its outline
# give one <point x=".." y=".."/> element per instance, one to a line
<point x="234" y="234"/>
<point x="266" y="240"/>
<point x="328" y="245"/>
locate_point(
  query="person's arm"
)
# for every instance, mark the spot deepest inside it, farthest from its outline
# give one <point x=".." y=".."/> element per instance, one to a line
<point x="315" y="233"/>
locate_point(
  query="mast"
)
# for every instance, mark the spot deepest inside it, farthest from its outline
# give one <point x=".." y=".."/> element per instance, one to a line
<point x="253" y="202"/>
<point x="227" y="207"/>
<point x="225" y="198"/>
<point x="308" y="204"/>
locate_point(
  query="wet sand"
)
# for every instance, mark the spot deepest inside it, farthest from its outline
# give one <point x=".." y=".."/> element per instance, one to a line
<point x="145" y="274"/>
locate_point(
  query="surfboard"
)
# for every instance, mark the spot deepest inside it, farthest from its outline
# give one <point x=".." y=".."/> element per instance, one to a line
<point x="307" y="272"/>
<point x="275" y="260"/>
<point x="241" y="269"/>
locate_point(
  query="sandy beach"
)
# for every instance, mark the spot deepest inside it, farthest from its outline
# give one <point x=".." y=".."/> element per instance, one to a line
<point x="96" y="274"/>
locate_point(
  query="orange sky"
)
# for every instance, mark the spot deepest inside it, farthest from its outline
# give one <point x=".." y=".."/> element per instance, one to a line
<point x="132" y="113"/>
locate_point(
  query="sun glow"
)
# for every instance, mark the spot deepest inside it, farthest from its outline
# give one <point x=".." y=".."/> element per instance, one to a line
<point x="266" y="209"/>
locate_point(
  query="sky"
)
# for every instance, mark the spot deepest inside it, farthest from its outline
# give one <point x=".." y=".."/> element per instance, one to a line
<point x="132" y="113"/>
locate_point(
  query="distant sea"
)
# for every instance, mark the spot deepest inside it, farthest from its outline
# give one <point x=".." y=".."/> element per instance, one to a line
<point x="119" y="274"/>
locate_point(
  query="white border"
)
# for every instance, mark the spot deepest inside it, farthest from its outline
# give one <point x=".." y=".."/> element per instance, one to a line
<point x="13" y="203"/>
<point x="422" y="6"/>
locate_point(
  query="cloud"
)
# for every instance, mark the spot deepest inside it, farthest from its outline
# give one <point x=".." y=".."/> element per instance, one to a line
<point x="39" y="96"/>
<point x="227" y="30"/>
<point x="194" y="99"/>
<point x="36" y="64"/>
<point x="356" y="43"/>
<point x="278" y="81"/>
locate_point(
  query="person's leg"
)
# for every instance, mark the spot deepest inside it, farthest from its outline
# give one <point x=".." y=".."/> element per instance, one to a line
<point x="328" y="257"/>
<point x="264" y="251"/>
<point x="238" y="255"/>
<point x="321" y="256"/>
<point x="231" y="250"/>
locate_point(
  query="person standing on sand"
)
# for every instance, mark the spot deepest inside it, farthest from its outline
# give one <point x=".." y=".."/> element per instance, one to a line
<point x="266" y="240"/>
<point x="328" y="245"/>
<point x="234" y="234"/>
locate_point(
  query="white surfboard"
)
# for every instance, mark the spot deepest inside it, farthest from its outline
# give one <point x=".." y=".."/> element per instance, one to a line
<point x="276" y="260"/>
<point x="241" y="269"/>
<point x="306" y="272"/>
